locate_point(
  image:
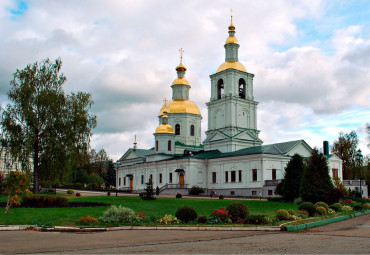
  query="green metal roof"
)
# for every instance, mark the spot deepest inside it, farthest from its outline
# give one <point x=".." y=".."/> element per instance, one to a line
<point x="189" y="146"/>
<point x="142" y="152"/>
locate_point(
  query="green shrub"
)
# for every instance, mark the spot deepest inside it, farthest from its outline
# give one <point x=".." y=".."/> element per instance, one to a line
<point x="309" y="207"/>
<point x="323" y="204"/>
<point x="168" y="219"/>
<point x="336" y="207"/>
<point x="321" y="210"/>
<point x="116" y="214"/>
<point x="178" y="195"/>
<point x="44" y="201"/>
<point x="196" y="190"/>
<point x="358" y="207"/>
<point x="202" y="219"/>
<point x="331" y="211"/>
<point x="186" y="214"/>
<point x="220" y="197"/>
<point x="347" y="208"/>
<point x="291" y="212"/>
<point x="70" y="192"/>
<point x="303" y="214"/>
<point x="282" y="214"/>
<point x="237" y="211"/>
<point x="258" y="219"/>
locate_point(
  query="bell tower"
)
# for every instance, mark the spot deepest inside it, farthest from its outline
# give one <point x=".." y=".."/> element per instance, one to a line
<point x="232" y="111"/>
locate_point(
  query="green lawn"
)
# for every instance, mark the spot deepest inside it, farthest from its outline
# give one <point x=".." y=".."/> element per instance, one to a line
<point x="156" y="208"/>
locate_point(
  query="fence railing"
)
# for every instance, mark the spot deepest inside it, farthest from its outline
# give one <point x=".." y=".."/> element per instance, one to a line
<point x="173" y="186"/>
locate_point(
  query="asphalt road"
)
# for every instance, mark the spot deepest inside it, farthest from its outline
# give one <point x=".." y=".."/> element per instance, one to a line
<point x="346" y="237"/>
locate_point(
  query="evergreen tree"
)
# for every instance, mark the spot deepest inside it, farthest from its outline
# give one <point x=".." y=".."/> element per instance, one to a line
<point x="149" y="191"/>
<point x="292" y="178"/>
<point x="316" y="181"/>
<point x="110" y="177"/>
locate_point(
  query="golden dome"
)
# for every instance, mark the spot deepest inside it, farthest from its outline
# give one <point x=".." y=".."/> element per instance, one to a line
<point x="231" y="64"/>
<point x="181" y="67"/>
<point x="180" y="81"/>
<point x="164" y="129"/>
<point x="231" y="39"/>
<point x="180" y="106"/>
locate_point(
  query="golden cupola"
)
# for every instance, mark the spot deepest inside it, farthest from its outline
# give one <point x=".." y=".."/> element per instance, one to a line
<point x="231" y="52"/>
<point x="164" y="128"/>
<point x="180" y="102"/>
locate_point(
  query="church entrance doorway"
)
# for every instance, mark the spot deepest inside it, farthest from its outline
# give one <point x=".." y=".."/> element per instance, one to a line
<point x="131" y="183"/>
<point x="181" y="180"/>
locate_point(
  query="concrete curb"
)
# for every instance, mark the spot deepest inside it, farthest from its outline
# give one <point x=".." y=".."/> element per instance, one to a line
<point x="296" y="228"/>
<point x="97" y="229"/>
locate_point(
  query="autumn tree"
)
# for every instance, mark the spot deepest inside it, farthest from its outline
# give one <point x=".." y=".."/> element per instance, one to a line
<point x="43" y="123"/>
<point x="316" y="181"/>
<point x="345" y="147"/>
<point x="291" y="182"/>
<point x="16" y="184"/>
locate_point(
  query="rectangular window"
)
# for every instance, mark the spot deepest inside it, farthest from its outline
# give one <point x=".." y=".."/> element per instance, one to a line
<point x="254" y="193"/>
<point x="124" y="181"/>
<point x="160" y="178"/>
<point x="240" y="175"/>
<point x="335" y="173"/>
<point x="151" y="177"/>
<point x="233" y="176"/>
<point x="142" y="179"/>
<point x="254" y="175"/>
<point x="119" y="181"/>
<point x="214" y="177"/>
<point x="226" y="176"/>
<point x="270" y="192"/>
<point x="273" y="174"/>
<point x="170" y="177"/>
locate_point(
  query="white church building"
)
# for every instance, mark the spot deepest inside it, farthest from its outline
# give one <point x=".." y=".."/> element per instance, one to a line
<point x="232" y="160"/>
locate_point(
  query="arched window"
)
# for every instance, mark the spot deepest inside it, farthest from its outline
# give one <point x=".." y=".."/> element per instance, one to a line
<point x="242" y="88"/>
<point x="169" y="145"/>
<point x="156" y="145"/>
<point x="220" y="89"/>
<point x="177" y="129"/>
<point x="192" y="131"/>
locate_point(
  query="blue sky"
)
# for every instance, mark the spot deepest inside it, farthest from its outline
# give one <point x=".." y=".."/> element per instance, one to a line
<point x="311" y="60"/>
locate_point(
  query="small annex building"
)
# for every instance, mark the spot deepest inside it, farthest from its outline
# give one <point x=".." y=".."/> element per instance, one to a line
<point x="232" y="160"/>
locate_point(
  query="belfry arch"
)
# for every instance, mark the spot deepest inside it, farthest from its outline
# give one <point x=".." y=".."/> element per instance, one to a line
<point x="220" y="88"/>
<point x="242" y="88"/>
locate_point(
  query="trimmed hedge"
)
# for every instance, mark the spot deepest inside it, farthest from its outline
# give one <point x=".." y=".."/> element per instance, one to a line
<point x="238" y="211"/>
<point x="309" y="207"/>
<point x="44" y="201"/>
<point x="186" y="214"/>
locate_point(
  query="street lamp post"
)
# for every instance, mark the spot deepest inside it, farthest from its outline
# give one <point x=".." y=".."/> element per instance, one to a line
<point x="359" y="158"/>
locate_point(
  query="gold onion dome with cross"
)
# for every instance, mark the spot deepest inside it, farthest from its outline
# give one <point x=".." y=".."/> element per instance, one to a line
<point x="231" y="42"/>
<point x="180" y="105"/>
<point x="164" y="128"/>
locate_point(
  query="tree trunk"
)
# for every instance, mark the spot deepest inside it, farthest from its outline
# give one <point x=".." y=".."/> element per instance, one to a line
<point x="36" y="166"/>
<point x="7" y="204"/>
